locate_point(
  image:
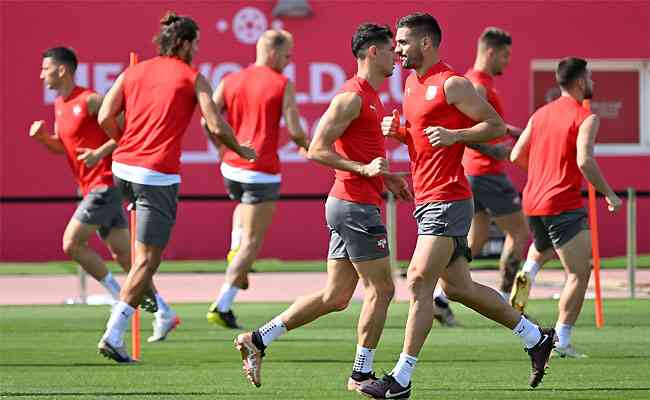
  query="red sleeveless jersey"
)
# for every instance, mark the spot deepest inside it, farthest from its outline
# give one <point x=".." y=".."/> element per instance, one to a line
<point x="362" y="141"/>
<point x="437" y="171"/>
<point x="475" y="162"/>
<point x="76" y="128"/>
<point x="253" y="99"/>
<point x="554" y="179"/>
<point x="159" y="100"/>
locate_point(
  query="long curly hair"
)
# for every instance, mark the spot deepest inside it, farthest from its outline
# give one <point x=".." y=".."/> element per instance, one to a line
<point x="174" y="30"/>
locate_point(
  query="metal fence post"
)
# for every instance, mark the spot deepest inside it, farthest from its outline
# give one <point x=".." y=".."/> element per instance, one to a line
<point x="631" y="241"/>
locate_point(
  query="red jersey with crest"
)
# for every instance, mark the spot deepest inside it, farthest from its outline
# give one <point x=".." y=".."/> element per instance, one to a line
<point x="554" y="179"/>
<point x="475" y="162"/>
<point x="159" y="100"/>
<point x="254" y="98"/>
<point x="362" y="141"/>
<point x="76" y="128"/>
<point x="437" y="171"/>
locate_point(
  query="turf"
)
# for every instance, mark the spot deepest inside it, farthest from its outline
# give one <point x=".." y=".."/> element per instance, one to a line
<point x="48" y="352"/>
<point x="266" y="265"/>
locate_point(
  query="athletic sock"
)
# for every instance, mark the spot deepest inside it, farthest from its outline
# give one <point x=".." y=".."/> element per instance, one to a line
<point x="235" y="238"/>
<point x="226" y="297"/>
<point x="532" y="268"/>
<point x="528" y="332"/>
<point x="440" y="297"/>
<point x="563" y="334"/>
<point x="117" y="323"/>
<point x="111" y="285"/>
<point x="272" y="330"/>
<point x="404" y="369"/>
<point x="163" y="307"/>
<point x="363" y="359"/>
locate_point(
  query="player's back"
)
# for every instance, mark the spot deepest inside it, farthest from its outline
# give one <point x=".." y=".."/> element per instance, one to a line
<point x="554" y="179"/>
<point x="253" y="98"/>
<point x="159" y="98"/>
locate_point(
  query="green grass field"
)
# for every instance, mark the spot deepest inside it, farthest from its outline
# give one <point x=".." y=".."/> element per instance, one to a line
<point x="48" y="352"/>
<point x="267" y="265"/>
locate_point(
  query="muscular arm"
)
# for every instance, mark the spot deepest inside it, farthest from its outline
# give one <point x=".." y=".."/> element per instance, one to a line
<point x="215" y="125"/>
<point x="521" y="150"/>
<point x="343" y="109"/>
<point x="497" y="151"/>
<point x="585" y="156"/>
<point x="292" y="117"/>
<point x="219" y="103"/>
<point x="111" y="108"/>
<point x="51" y="142"/>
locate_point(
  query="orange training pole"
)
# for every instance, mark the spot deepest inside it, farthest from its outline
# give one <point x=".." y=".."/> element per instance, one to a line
<point x="595" y="249"/>
<point x="135" y="322"/>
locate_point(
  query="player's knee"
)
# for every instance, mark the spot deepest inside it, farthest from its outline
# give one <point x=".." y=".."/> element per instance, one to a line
<point x="384" y="290"/>
<point x="418" y="283"/>
<point x="70" y="247"/>
<point x="335" y="301"/>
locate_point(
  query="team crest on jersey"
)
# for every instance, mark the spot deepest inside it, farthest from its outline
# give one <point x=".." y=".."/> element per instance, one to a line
<point x="76" y="110"/>
<point x="373" y="108"/>
<point x="431" y="92"/>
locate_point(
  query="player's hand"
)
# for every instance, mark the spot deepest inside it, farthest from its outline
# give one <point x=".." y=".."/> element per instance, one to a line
<point x="398" y="186"/>
<point x="88" y="156"/>
<point x="439" y="136"/>
<point x="613" y="202"/>
<point x="247" y="152"/>
<point x="36" y="130"/>
<point x="378" y="166"/>
<point x="390" y="124"/>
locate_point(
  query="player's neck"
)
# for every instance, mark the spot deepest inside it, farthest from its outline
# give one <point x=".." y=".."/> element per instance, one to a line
<point x="573" y="94"/>
<point x="481" y="65"/>
<point x="374" y="79"/>
<point x="66" y="88"/>
<point x="427" y="63"/>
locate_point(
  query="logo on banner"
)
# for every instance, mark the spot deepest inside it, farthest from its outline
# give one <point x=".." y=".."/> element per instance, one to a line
<point x="248" y="25"/>
<point x="431" y="92"/>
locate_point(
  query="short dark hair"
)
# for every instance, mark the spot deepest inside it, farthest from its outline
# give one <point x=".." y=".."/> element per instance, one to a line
<point x="569" y="70"/>
<point x="369" y="35"/>
<point x="174" y="30"/>
<point x="62" y="55"/>
<point x="495" y="38"/>
<point x="422" y="24"/>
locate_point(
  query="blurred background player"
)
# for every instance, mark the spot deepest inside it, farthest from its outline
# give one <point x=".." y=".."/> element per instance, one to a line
<point x="557" y="149"/>
<point x="443" y="112"/>
<point x="88" y="150"/>
<point x="358" y="249"/>
<point x="255" y="99"/>
<point x="146" y="163"/>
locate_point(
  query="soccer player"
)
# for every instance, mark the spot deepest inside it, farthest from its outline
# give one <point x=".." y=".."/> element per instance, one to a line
<point x="443" y="113"/>
<point x="255" y="100"/>
<point x="358" y="249"/>
<point x="88" y="150"/>
<point x="158" y="97"/>
<point x="557" y="149"/>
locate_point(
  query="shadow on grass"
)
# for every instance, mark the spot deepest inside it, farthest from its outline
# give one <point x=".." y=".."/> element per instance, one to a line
<point x="109" y="394"/>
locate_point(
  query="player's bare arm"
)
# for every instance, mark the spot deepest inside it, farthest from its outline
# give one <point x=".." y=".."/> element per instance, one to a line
<point x="390" y="127"/>
<point x="396" y="183"/>
<point x="111" y="108"/>
<point x="51" y="142"/>
<point x="217" y="98"/>
<point x="292" y="117"/>
<point x="216" y="125"/>
<point x="587" y="163"/>
<point x="91" y="157"/>
<point x="498" y="151"/>
<point x="461" y="93"/>
<point x="521" y="150"/>
<point x="343" y="109"/>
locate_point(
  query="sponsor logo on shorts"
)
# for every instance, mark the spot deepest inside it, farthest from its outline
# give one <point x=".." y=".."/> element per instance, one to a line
<point x="382" y="243"/>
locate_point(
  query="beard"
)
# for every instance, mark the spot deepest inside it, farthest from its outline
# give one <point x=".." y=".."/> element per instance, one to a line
<point x="413" y="61"/>
<point x="589" y="93"/>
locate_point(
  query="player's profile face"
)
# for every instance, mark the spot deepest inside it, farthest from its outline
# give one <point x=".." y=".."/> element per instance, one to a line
<point x="386" y="58"/>
<point x="407" y="48"/>
<point x="589" y="86"/>
<point x="50" y="73"/>
<point x="501" y="59"/>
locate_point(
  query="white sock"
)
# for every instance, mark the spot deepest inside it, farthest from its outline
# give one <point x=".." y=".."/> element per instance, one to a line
<point x="563" y="334"/>
<point x="235" y="238"/>
<point x="272" y="330"/>
<point x="118" y="323"/>
<point x="226" y="297"/>
<point x="532" y="268"/>
<point x="528" y="332"/>
<point x="440" y="294"/>
<point x="363" y="359"/>
<point x="404" y="369"/>
<point x="111" y="285"/>
<point x="163" y="307"/>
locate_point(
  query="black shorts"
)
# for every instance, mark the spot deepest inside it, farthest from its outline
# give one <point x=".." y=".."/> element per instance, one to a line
<point x="494" y="194"/>
<point x="556" y="230"/>
<point x="252" y="193"/>
<point x="103" y="207"/>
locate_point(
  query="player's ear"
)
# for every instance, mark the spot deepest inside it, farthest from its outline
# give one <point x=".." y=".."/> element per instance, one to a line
<point x="372" y="50"/>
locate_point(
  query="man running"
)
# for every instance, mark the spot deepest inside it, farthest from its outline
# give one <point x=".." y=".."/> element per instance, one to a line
<point x="255" y="100"/>
<point x="443" y="113"/>
<point x="557" y="149"/>
<point x="158" y="97"/>
<point x="358" y="249"/>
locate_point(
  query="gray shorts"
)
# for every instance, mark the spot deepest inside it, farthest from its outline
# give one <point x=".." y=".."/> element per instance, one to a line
<point x="447" y="218"/>
<point x="356" y="231"/>
<point x="556" y="230"/>
<point x="155" y="210"/>
<point x="252" y="193"/>
<point x="102" y="207"/>
<point x="494" y="194"/>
